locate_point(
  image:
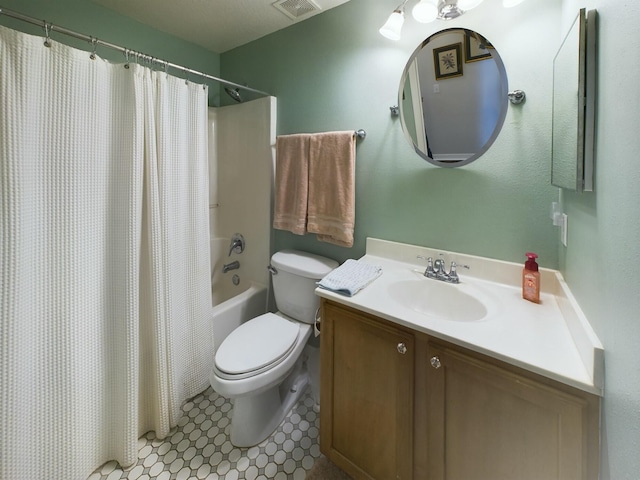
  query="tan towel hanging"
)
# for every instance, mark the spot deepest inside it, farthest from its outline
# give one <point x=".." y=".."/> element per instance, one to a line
<point x="292" y="183"/>
<point x="331" y="205"/>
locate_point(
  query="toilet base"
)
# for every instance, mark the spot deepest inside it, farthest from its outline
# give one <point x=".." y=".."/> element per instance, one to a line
<point x="255" y="417"/>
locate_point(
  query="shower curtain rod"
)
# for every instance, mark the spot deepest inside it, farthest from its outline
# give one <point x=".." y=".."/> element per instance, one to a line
<point x="49" y="27"/>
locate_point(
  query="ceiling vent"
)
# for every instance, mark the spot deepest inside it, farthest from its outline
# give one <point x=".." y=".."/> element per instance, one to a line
<point x="297" y="9"/>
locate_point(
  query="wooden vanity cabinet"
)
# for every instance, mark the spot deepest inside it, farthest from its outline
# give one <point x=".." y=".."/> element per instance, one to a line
<point x="366" y="394"/>
<point x="488" y="420"/>
<point x="441" y="412"/>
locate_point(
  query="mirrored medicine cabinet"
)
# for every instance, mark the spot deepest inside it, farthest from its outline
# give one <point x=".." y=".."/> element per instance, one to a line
<point x="574" y="103"/>
<point x="453" y="97"/>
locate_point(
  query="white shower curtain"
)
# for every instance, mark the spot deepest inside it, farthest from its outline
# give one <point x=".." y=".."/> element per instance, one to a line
<point x="104" y="273"/>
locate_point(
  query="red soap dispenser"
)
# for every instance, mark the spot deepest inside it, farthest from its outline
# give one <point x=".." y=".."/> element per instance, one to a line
<point x="531" y="279"/>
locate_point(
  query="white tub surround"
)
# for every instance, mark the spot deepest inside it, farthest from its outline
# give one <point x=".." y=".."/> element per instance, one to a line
<point x="553" y="338"/>
<point x="241" y="157"/>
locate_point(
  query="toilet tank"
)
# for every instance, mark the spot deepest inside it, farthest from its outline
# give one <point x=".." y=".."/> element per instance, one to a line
<point x="295" y="282"/>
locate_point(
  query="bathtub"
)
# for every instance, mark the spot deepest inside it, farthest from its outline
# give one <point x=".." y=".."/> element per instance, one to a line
<point x="231" y="313"/>
<point x="232" y="304"/>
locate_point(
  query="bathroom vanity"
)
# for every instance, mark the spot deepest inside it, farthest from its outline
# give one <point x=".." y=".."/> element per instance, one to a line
<point x="497" y="389"/>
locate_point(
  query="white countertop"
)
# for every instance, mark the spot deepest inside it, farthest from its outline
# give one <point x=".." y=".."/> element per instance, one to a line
<point x="552" y="338"/>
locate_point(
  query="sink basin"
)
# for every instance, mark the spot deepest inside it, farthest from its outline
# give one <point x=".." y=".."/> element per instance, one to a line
<point x="438" y="299"/>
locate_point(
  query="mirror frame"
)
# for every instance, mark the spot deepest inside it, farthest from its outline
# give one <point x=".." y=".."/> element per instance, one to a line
<point x="500" y="121"/>
<point x="587" y="78"/>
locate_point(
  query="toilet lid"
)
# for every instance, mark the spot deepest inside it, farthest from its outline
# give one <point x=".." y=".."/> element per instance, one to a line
<point x="256" y="344"/>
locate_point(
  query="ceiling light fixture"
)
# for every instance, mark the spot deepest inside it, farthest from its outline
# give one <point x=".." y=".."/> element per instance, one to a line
<point x="392" y="27"/>
<point x="426" y="11"/>
<point x="448" y="10"/>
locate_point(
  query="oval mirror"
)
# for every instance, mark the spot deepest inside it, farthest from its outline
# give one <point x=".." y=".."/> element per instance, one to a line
<point x="453" y="97"/>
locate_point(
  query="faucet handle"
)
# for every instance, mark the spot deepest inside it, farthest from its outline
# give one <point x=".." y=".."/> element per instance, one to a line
<point x="429" y="272"/>
<point x="455" y="265"/>
<point x="453" y="273"/>
<point x="237" y="244"/>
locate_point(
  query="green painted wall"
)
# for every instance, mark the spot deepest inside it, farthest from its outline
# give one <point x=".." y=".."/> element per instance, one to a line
<point x="335" y="72"/>
<point x="86" y="17"/>
<point x="601" y="260"/>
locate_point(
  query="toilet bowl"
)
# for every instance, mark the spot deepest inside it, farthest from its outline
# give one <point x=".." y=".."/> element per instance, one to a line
<point x="261" y="364"/>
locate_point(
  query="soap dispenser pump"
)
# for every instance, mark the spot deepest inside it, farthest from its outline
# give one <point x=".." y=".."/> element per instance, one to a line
<point x="531" y="279"/>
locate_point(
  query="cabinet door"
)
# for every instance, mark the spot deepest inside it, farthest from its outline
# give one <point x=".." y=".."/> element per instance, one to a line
<point x="366" y="404"/>
<point x="490" y="423"/>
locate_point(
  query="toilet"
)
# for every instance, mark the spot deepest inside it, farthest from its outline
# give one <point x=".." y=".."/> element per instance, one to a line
<point x="260" y="364"/>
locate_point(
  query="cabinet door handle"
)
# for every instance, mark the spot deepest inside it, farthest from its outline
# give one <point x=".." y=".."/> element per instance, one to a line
<point x="435" y="362"/>
<point x="402" y="348"/>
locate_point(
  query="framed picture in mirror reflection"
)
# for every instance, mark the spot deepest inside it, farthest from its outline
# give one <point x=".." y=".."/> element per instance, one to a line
<point x="476" y="47"/>
<point x="447" y="61"/>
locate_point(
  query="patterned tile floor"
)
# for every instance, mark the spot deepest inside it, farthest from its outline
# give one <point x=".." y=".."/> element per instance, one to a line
<point x="199" y="447"/>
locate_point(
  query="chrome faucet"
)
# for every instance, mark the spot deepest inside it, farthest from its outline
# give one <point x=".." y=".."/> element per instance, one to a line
<point x="231" y="266"/>
<point x="438" y="271"/>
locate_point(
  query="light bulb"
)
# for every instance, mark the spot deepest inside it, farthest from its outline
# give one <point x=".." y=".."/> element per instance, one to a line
<point x="425" y="11"/>
<point x="468" y="4"/>
<point x="511" y="3"/>
<point x="392" y="27"/>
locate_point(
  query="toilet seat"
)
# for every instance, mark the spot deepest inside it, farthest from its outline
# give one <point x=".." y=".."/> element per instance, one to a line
<point x="256" y="346"/>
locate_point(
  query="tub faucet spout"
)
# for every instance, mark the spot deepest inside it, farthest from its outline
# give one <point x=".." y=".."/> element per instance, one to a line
<point x="231" y="266"/>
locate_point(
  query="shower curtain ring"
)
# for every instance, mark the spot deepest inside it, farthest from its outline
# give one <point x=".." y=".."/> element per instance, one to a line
<point x="126" y="56"/>
<point x="47" y="39"/>
<point x="94" y="42"/>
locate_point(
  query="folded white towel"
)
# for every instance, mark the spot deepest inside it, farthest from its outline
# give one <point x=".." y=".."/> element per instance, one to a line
<point x="350" y="277"/>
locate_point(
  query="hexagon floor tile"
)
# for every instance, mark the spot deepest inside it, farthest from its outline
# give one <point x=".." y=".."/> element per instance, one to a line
<point x="199" y="447"/>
